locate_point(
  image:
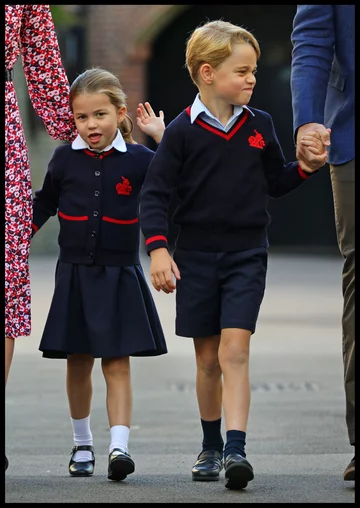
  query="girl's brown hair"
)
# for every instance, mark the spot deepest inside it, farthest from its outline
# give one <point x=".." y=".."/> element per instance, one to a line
<point x="212" y="43"/>
<point x="98" y="80"/>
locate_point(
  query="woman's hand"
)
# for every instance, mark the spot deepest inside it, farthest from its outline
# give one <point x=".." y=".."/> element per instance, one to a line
<point x="149" y="123"/>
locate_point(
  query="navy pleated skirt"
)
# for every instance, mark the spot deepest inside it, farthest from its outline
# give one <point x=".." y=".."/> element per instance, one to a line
<point x="105" y="311"/>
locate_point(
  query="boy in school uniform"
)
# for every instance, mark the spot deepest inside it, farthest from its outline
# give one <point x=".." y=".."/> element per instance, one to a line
<point x="224" y="160"/>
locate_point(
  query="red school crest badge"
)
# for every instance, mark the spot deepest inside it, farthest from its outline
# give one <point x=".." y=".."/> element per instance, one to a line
<point x="256" y="141"/>
<point x="124" y="187"/>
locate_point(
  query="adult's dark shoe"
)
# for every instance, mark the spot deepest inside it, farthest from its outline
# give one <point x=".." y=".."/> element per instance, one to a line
<point x="120" y="465"/>
<point x="349" y="473"/>
<point x="208" y="466"/>
<point x="6" y="463"/>
<point x="82" y="468"/>
<point x="238" y="471"/>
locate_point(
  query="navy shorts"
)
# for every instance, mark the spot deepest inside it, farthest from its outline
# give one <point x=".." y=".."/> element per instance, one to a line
<point x="219" y="290"/>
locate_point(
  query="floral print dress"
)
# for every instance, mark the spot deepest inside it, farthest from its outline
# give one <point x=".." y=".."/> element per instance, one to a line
<point x="29" y="31"/>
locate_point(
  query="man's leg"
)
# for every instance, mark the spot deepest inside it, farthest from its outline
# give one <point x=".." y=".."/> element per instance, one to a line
<point x="342" y="180"/>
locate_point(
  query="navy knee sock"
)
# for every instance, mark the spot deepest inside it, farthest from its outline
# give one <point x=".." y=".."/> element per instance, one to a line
<point x="235" y="442"/>
<point x="212" y="435"/>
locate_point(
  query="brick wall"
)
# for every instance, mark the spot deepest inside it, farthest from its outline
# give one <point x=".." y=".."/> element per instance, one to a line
<point x="114" y="42"/>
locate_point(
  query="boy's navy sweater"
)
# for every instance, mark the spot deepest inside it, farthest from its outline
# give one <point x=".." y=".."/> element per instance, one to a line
<point x="223" y="182"/>
<point x="96" y="197"/>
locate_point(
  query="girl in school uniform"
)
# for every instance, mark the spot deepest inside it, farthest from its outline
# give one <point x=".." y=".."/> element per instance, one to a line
<point x="102" y="306"/>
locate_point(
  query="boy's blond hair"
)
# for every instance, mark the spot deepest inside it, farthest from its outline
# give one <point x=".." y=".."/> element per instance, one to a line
<point x="212" y="43"/>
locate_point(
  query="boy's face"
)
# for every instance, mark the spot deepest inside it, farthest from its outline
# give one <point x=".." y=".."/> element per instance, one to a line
<point x="234" y="79"/>
<point x="96" y="119"/>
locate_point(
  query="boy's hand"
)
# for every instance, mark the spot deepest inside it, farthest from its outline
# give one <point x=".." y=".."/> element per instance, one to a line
<point x="149" y="123"/>
<point x="311" y="147"/>
<point x="162" y="267"/>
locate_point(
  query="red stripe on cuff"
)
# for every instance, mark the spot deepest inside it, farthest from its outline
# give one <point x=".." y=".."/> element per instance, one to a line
<point x="155" y="238"/>
<point x="35" y="227"/>
<point x="302" y="173"/>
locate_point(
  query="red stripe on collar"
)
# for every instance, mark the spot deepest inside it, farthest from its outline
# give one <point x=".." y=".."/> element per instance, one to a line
<point x="227" y="135"/>
<point x="100" y="155"/>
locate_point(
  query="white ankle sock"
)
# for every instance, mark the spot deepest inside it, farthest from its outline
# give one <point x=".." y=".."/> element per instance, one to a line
<point x="82" y="436"/>
<point x="119" y="437"/>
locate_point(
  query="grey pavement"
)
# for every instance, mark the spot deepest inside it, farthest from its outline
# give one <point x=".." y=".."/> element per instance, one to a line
<point x="296" y="437"/>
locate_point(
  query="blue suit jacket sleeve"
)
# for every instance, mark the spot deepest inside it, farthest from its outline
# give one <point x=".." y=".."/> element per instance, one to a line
<point x="313" y="39"/>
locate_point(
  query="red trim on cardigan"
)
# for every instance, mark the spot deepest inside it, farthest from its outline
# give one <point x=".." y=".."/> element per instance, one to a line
<point x="73" y="217"/>
<point x="100" y="155"/>
<point x="118" y="221"/>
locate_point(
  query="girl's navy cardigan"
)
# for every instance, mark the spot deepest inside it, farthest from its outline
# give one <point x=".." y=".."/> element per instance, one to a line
<point x="96" y="197"/>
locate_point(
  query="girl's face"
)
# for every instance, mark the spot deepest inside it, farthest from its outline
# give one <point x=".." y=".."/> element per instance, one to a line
<point x="234" y="79"/>
<point x="97" y="119"/>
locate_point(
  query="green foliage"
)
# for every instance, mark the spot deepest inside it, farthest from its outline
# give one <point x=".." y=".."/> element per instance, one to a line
<point x="61" y="16"/>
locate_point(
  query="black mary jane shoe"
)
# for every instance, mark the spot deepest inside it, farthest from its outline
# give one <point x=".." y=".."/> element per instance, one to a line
<point x="6" y="463"/>
<point x="120" y="465"/>
<point x="238" y="471"/>
<point x="208" y="466"/>
<point x="82" y="468"/>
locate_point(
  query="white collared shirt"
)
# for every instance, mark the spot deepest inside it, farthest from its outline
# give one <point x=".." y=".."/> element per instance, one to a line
<point x="199" y="109"/>
<point x="118" y="143"/>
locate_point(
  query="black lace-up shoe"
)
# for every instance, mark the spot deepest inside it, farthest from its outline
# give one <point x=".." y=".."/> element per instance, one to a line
<point x="208" y="466"/>
<point x="238" y="471"/>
